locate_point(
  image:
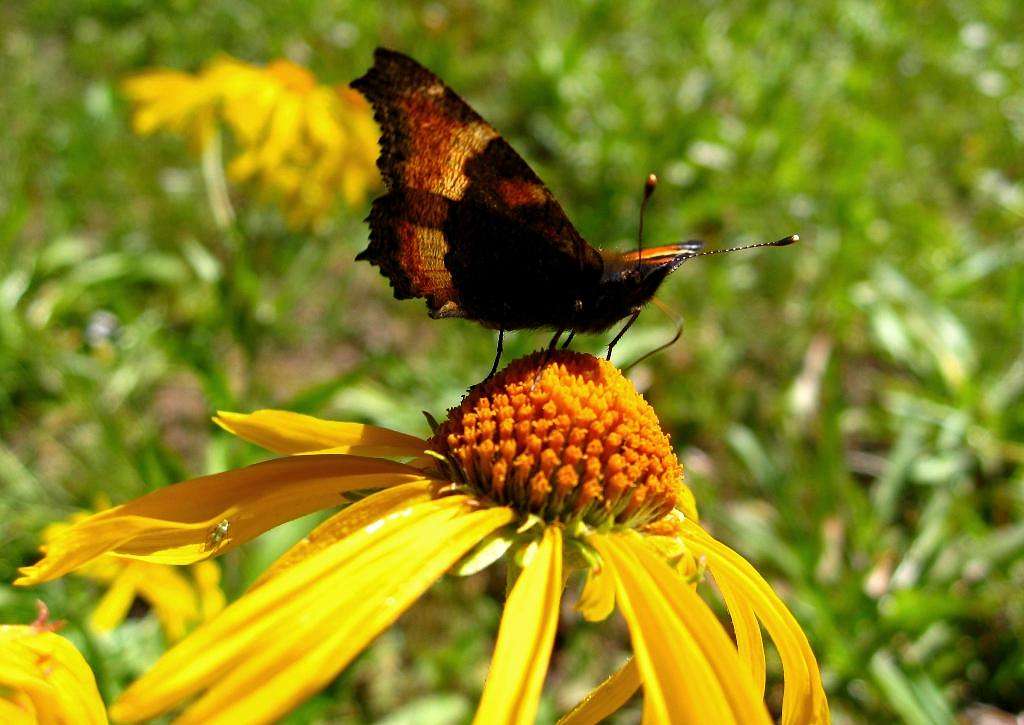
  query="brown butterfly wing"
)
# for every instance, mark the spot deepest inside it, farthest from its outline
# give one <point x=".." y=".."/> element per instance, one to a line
<point x="466" y="223"/>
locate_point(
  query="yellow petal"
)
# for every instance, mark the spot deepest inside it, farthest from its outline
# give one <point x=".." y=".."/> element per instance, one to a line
<point x="171" y="595"/>
<point x="686" y="503"/>
<point x="43" y="671"/>
<point x="114" y="606"/>
<point x="747" y="630"/>
<point x="284" y="432"/>
<point x="597" y="600"/>
<point x="284" y="131"/>
<point x="248" y="115"/>
<point x="649" y="716"/>
<point x="321" y="124"/>
<point x="173" y="101"/>
<point x="156" y="84"/>
<point x="525" y="637"/>
<point x="606" y="698"/>
<point x="211" y="597"/>
<point x="803" y="700"/>
<point x="285" y="640"/>
<point x="17" y="711"/>
<point x="241" y="168"/>
<point x="190" y="521"/>
<point x="689" y="666"/>
<point x="348" y="520"/>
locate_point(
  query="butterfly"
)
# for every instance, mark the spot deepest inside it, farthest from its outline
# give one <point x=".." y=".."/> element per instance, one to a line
<point x="466" y="224"/>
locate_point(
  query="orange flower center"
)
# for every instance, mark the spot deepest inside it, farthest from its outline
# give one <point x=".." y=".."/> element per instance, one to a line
<point x="573" y="440"/>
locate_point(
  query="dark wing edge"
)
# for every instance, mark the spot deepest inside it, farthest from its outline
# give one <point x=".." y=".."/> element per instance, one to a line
<point x="391" y="75"/>
<point x="407" y="244"/>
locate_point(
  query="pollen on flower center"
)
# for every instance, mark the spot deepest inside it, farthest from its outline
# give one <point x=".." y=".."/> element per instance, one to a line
<point x="575" y="441"/>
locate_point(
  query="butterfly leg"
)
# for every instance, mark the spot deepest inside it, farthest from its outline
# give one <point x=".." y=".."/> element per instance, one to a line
<point x="497" y="354"/>
<point x="622" y="332"/>
<point x="551" y="346"/>
<point x="547" y="356"/>
<point x="572" y="334"/>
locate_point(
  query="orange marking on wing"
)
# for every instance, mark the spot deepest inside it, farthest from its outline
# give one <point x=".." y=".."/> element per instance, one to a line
<point x="441" y="146"/>
<point x="516" y="192"/>
<point x="422" y="256"/>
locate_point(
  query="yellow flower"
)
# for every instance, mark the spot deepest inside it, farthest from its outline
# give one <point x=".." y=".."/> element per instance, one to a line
<point x="302" y="144"/>
<point x="177" y="601"/>
<point x="564" y="468"/>
<point x="43" y="678"/>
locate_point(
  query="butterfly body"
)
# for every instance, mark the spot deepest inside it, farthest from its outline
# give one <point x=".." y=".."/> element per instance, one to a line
<point x="467" y="225"/>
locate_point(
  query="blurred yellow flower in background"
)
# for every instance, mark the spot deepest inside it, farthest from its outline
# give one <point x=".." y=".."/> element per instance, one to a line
<point x="304" y="145"/>
<point x="557" y="464"/>
<point x="179" y="602"/>
<point x="44" y="679"/>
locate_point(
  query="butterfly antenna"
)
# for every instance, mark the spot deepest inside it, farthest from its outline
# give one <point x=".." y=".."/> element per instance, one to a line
<point x="652" y="181"/>
<point x="784" y="242"/>
<point x="675" y="338"/>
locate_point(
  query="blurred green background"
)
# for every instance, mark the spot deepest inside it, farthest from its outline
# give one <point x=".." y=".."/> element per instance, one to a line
<point x="849" y="410"/>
